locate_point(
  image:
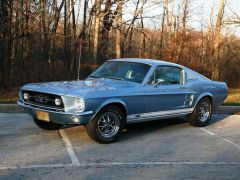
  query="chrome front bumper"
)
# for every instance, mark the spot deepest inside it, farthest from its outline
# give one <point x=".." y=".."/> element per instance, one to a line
<point x="58" y="116"/>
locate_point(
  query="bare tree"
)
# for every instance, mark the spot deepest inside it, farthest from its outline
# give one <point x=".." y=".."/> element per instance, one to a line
<point x="183" y="33"/>
<point x="41" y="40"/>
<point x="51" y="59"/>
<point x="119" y="29"/>
<point x="96" y="30"/>
<point x="216" y="50"/>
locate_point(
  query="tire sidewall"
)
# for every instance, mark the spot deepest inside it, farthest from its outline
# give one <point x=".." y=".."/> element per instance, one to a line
<point x="92" y="127"/>
<point x="194" y="117"/>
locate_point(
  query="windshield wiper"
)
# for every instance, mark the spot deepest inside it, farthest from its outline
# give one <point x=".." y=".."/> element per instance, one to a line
<point x="94" y="76"/>
<point x="117" y="78"/>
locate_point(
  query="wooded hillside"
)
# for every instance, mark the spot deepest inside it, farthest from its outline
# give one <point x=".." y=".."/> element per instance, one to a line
<point x="45" y="40"/>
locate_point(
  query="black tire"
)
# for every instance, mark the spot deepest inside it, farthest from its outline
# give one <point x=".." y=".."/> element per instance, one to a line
<point x="110" y="118"/>
<point x="47" y="125"/>
<point x="202" y="113"/>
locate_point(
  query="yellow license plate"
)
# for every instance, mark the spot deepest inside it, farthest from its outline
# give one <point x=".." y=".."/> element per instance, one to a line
<point x="44" y="116"/>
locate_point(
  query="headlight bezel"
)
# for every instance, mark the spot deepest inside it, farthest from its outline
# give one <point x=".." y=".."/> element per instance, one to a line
<point x="73" y="103"/>
<point x="79" y="104"/>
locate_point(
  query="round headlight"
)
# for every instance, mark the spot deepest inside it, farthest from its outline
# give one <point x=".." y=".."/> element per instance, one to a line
<point x="58" y="102"/>
<point x="25" y="96"/>
<point x="79" y="103"/>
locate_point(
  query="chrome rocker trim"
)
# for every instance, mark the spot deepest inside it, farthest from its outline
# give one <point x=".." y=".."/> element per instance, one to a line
<point x="134" y="118"/>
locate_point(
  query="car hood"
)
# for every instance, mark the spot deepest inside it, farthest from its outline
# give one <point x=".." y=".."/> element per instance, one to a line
<point x="76" y="88"/>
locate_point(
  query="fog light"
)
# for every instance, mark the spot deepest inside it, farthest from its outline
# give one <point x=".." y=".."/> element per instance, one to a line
<point x="58" y="102"/>
<point x="25" y="96"/>
<point x="75" y="119"/>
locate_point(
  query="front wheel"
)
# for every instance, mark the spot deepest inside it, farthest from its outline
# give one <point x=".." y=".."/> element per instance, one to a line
<point x="107" y="125"/>
<point x="202" y="113"/>
<point x="47" y="125"/>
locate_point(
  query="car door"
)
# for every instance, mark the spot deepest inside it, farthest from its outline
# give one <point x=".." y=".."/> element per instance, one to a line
<point x="166" y="90"/>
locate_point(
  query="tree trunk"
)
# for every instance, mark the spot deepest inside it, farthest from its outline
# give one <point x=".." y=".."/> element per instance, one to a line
<point x="96" y="31"/>
<point x="22" y="64"/>
<point x="83" y="33"/>
<point x="65" y="38"/>
<point x="183" y="33"/>
<point x="3" y="34"/>
<point x="10" y="43"/>
<point x="162" y="30"/>
<point x="167" y="21"/>
<point x="119" y="27"/>
<point x="106" y="27"/>
<point x="75" y="43"/>
<point x="27" y="50"/>
<point x="216" y="51"/>
<point x="45" y="41"/>
<point x="130" y="28"/>
<point x="143" y="38"/>
<point x="51" y="60"/>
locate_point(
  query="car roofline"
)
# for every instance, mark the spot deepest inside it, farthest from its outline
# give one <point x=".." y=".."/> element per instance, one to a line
<point x="152" y="62"/>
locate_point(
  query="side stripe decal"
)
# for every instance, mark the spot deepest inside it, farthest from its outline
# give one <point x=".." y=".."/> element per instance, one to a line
<point x="159" y="114"/>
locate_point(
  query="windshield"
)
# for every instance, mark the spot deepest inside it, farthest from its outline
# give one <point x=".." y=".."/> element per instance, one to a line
<point x="119" y="70"/>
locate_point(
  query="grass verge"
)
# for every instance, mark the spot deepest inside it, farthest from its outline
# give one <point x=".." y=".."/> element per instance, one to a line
<point x="233" y="98"/>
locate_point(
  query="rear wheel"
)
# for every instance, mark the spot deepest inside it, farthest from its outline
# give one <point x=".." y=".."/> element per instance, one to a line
<point x="107" y="125"/>
<point x="47" y="125"/>
<point x="202" y="113"/>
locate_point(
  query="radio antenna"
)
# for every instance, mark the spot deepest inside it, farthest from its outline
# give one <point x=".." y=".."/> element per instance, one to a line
<point x="79" y="58"/>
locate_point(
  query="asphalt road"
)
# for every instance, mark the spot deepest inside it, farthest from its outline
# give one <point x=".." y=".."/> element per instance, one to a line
<point x="166" y="149"/>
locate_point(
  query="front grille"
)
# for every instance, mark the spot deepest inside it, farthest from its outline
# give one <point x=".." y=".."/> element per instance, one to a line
<point x="43" y="99"/>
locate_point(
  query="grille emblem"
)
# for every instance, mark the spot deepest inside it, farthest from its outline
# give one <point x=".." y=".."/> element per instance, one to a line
<point x="41" y="99"/>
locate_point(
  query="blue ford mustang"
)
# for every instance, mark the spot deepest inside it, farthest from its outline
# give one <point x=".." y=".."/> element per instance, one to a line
<point x="123" y="91"/>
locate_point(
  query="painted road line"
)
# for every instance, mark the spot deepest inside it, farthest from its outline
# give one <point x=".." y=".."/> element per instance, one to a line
<point x="230" y="142"/>
<point x="36" y="166"/>
<point x="161" y="163"/>
<point x="224" y="139"/>
<point x="208" y="132"/>
<point x="69" y="147"/>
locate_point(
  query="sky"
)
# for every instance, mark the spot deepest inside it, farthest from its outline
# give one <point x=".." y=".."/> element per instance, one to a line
<point x="199" y="13"/>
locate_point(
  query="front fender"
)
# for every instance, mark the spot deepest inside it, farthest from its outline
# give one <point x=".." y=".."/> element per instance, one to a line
<point x="108" y="102"/>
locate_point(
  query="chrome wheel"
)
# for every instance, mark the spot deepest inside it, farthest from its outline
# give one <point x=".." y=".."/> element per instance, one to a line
<point x="204" y="111"/>
<point x="108" y="124"/>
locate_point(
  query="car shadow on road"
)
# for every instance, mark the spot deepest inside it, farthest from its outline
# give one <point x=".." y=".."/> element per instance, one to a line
<point x="132" y="131"/>
<point x="217" y="118"/>
<point x="143" y="128"/>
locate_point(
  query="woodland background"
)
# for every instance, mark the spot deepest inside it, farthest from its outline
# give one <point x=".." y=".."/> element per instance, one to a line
<point x="44" y="40"/>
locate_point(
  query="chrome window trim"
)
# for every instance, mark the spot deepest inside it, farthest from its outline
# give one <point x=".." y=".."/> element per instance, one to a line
<point x="184" y="77"/>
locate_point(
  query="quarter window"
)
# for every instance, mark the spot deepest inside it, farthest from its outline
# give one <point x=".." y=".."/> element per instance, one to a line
<point x="191" y="76"/>
<point x="166" y="75"/>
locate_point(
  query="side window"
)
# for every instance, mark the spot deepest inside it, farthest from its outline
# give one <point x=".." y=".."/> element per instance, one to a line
<point x="166" y="75"/>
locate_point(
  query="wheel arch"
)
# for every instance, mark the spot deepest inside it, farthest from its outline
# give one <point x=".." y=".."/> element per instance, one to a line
<point x="113" y="102"/>
<point x="205" y="95"/>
